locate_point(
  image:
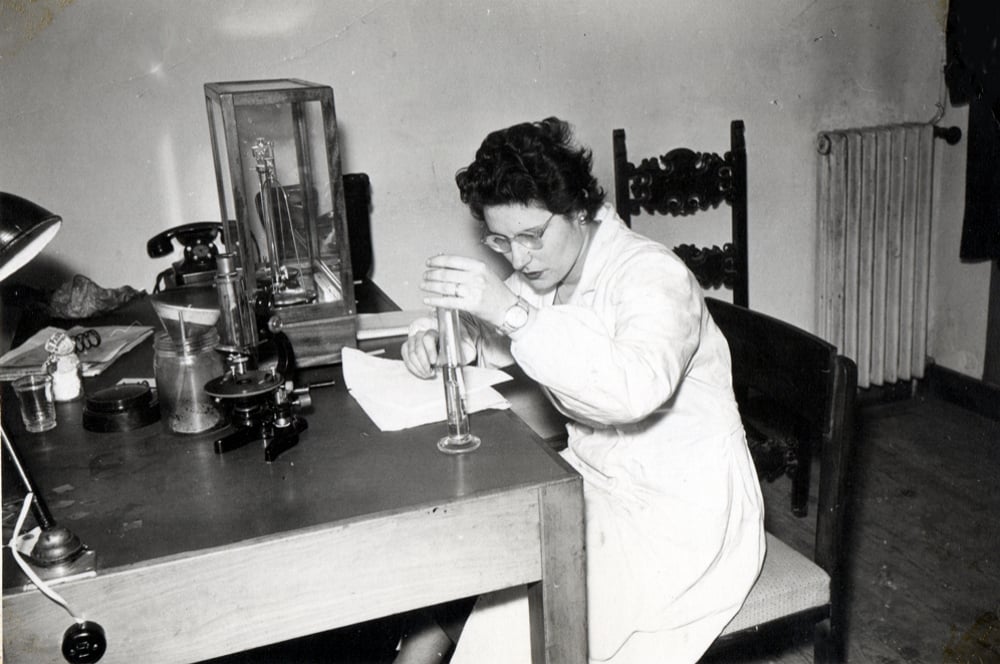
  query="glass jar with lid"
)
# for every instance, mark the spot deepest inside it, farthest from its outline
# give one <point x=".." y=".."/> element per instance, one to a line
<point x="182" y="367"/>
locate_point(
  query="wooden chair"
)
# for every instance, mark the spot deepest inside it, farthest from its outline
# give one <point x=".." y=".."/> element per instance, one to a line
<point x="357" y="204"/>
<point x="804" y="378"/>
<point x="683" y="182"/>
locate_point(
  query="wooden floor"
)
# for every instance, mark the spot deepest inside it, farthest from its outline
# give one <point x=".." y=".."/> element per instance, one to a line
<point x="924" y="568"/>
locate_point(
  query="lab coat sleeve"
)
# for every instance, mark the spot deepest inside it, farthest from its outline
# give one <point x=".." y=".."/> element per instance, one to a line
<point x="480" y="342"/>
<point x="623" y="357"/>
<point x="492" y="347"/>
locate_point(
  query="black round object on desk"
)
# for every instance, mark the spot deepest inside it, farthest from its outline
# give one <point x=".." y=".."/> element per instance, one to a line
<point x="120" y="408"/>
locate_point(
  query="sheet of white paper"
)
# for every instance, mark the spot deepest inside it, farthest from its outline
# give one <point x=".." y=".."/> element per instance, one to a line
<point x="395" y="399"/>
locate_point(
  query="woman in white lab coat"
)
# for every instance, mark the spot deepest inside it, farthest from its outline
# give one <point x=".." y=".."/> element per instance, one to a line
<point x="615" y="328"/>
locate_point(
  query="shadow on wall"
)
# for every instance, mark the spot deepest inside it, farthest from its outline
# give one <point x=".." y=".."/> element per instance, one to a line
<point x="44" y="273"/>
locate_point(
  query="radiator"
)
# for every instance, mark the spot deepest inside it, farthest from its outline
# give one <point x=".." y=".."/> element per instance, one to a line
<point x="874" y="210"/>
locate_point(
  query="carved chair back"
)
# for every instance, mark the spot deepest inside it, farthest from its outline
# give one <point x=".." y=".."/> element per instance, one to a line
<point x="683" y="182"/>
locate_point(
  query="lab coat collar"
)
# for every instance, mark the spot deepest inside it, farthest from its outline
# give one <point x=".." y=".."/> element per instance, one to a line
<point x="609" y="226"/>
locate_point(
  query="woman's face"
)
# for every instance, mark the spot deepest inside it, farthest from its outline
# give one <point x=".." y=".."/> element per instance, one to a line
<point x="562" y="241"/>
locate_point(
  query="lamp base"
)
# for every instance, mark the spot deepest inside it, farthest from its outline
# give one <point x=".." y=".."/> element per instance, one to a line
<point x="56" y="553"/>
<point x="57" y="545"/>
<point x="84" y="565"/>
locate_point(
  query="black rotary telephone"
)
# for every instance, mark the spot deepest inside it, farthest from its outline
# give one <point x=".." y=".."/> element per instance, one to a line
<point x="197" y="268"/>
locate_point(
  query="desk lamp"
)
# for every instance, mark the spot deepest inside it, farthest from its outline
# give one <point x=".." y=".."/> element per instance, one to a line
<point x="25" y="229"/>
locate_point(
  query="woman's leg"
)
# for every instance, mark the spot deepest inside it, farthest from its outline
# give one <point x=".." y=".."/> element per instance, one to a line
<point x="430" y="634"/>
<point x="423" y="643"/>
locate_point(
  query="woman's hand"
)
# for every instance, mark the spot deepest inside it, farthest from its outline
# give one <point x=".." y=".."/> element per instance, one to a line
<point x="466" y="284"/>
<point x="420" y="353"/>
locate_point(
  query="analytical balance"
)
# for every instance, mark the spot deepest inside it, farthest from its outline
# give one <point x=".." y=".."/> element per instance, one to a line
<point x="277" y="164"/>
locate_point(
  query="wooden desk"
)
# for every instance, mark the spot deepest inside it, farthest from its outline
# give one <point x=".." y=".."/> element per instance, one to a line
<point x="201" y="555"/>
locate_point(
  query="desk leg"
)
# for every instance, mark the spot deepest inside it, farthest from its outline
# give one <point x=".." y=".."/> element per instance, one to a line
<point x="557" y="604"/>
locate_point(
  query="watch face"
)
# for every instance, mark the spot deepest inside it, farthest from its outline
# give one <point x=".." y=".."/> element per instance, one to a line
<point x="515" y="317"/>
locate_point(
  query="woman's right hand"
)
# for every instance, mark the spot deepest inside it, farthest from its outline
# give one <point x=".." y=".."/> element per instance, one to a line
<point x="420" y="353"/>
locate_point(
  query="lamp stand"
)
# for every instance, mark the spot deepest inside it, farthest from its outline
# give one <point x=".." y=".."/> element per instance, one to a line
<point x="58" y="551"/>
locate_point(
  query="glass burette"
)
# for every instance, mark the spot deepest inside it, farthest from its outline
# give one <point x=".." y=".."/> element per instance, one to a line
<point x="460" y="437"/>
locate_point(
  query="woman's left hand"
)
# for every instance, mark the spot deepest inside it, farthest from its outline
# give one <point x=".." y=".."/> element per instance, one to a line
<point x="466" y="284"/>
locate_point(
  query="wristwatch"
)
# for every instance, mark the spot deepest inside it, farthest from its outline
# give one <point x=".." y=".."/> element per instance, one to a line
<point x="515" y="318"/>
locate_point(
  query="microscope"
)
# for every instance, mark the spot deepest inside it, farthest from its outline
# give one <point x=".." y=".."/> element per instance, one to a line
<point x="262" y="403"/>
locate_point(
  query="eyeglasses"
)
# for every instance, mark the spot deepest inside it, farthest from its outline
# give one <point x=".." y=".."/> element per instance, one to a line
<point x="530" y="240"/>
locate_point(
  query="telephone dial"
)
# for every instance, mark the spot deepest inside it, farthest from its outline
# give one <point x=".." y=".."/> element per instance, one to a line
<point x="197" y="267"/>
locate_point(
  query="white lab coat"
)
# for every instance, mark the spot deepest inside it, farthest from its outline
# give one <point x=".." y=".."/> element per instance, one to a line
<point x="674" y="516"/>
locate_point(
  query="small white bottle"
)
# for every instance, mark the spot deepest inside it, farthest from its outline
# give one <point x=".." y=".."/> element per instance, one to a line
<point x="64" y="367"/>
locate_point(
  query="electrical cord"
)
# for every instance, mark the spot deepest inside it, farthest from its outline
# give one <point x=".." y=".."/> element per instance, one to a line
<point x="26" y="568"/>
<point x="83" y="642"/>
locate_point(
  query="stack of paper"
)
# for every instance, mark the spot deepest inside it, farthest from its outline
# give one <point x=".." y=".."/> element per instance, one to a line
<point x="31" y="356"/>
<point x="395" y="399"/>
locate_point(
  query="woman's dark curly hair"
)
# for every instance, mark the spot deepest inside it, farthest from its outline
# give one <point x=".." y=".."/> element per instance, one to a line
<point x="529" y="164"/>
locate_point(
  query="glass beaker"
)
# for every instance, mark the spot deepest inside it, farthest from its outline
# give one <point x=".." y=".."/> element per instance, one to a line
<point x="38" y="409"/>
<point x="460" y="437"/>
<point x="182" y="367"/>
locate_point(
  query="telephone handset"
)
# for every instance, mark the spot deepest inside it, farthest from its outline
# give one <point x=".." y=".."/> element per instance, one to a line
<point x="198" y="265"/>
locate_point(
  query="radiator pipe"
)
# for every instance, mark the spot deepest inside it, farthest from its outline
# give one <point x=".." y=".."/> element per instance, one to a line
<point x="951" y="135"/>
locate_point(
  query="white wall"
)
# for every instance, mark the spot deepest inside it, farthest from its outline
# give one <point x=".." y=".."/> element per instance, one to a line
<point x="959" y="291"/>
<point x="102" y="115"/>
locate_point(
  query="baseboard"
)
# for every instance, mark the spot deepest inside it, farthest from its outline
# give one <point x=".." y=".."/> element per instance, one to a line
<point x="886" y="393"/>
<point x="971" y="393"/>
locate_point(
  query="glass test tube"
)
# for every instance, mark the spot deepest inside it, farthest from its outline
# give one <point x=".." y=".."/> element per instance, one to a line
<point x="237" y="327"/>
<point x="460" y="437"/>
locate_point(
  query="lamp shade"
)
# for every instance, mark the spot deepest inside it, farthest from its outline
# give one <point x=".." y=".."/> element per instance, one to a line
<point x="25" y="229"/>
